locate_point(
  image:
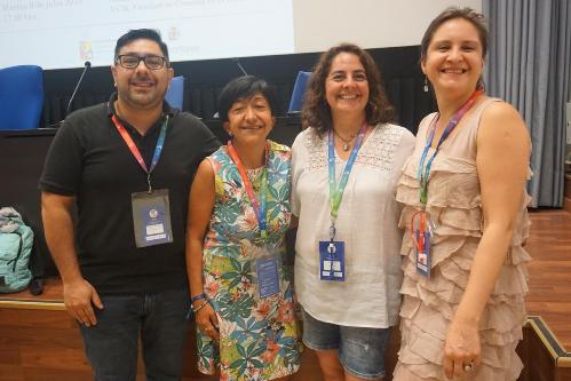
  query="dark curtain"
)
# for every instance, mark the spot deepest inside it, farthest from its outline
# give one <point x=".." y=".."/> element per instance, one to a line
<point x="529" y="65"/>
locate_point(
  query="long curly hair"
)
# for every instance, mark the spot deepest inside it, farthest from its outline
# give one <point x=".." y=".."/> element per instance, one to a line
<point x="316" y="111"/>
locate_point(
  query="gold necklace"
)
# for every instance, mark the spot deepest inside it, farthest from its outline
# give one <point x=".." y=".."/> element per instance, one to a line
<point x="346" y="142"/>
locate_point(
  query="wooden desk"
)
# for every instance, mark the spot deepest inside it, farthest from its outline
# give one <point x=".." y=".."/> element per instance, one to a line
<point x="40" y="341"/>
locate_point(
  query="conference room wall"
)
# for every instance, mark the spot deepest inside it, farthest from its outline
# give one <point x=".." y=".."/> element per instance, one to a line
<point x="319" y="24"/>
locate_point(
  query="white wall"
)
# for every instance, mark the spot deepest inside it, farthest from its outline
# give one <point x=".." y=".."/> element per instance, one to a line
<point x="206" y="29"/>
<point x="320" y="24"/>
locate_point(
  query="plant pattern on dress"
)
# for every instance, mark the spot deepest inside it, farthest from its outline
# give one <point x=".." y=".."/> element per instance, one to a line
<point x="259" y="338"/>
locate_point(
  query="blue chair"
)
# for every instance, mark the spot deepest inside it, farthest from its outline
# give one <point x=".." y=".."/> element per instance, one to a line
<point x="21" y="97"/>
<point x="175" y="92"/>
<point x="296" y="100"/>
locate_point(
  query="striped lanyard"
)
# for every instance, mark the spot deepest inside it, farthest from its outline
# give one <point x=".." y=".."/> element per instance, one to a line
<point x="135" y="150"/>
<point x="423" y="173"/>
<point x="259" y="205"/>
<point x="336" y="190"/>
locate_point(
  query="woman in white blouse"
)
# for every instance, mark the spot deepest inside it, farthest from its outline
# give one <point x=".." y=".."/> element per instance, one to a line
<point x="345" y="168"/>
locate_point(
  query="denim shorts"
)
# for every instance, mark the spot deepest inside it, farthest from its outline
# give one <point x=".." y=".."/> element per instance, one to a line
<point x="361" y="351"/>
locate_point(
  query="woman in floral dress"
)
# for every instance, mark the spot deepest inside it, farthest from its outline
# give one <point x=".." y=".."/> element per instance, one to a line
<point x="239" y="213"/>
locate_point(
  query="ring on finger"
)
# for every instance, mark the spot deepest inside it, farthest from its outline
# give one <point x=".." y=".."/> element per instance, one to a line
<point x="468" y="366"/>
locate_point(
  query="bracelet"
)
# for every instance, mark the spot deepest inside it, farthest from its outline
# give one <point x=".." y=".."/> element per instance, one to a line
<point x="196" y="309"/>
<point x="198" y="297"/>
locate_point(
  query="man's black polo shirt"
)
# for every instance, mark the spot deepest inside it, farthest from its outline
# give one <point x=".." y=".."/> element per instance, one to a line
<point x="88" y="159"/>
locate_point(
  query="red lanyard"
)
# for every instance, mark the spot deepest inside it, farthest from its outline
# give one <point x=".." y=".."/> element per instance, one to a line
<point x="259" y="206"/>
<point x="135" y="150"/>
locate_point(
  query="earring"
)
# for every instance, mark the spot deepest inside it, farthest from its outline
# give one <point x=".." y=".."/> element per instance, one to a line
<point x="425" y="87"/>
<point x="371" y="106"/>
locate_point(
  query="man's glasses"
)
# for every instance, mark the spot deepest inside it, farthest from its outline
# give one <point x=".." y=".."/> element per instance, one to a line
<point x="131" y="61"/>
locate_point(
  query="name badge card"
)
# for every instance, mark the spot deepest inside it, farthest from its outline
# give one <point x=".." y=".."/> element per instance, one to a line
<point x="332" y="260"/>
<point x="267" y="272"/>
<point x="151" y="218"/>
<point x="423" y="257"/>
<point x="422" y="234"/>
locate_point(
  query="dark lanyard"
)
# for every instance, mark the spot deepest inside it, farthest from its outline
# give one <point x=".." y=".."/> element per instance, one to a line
<point x="258" y="205"/>
<point x="336" y="190"/>
<point x="423" y="172"/>
<point x="135" y="150"/>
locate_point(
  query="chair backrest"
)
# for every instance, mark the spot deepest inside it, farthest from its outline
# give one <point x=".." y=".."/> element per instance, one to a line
<point x="175" y="92"/>
<point x="21" y="97"/>
<point x="296" y="100"/>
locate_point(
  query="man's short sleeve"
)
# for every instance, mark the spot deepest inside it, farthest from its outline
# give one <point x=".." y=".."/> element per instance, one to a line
<point x="208" y="141"/>
<point x="63" y="164"/>
<point x="211" y="143"/>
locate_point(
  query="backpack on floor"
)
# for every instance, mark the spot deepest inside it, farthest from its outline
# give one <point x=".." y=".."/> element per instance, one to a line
<point x="16" y="241"/>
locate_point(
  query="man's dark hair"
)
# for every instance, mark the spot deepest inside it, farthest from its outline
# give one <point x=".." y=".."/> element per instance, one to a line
<point x="142" y="34"/>
<point x="244" y="88"/>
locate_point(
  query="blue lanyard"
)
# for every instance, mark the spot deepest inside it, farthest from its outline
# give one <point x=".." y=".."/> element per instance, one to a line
<point x="160" y="144"/>
<point x="336" y="191"/>
<point x="423" y="172"/>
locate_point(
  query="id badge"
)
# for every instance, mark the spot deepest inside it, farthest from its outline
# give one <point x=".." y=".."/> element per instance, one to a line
<point x="267" y="268"/>
<point x="423" y="255"/>
<point x="422" y="235"/>
<point x="151" y="218"/>
<point x="332" y="260"/>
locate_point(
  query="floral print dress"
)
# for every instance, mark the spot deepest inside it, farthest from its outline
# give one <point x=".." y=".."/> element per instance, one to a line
<point x="259" y="338"/>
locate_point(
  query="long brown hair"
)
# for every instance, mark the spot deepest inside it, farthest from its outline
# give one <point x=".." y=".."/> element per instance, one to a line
<point x="316" y="111"/>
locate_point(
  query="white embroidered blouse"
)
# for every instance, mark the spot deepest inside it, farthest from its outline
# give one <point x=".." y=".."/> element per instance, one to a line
<point x="367" y="223"/>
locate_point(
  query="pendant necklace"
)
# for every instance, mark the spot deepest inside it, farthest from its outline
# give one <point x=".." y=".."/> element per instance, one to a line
<point x="346" y="143"/>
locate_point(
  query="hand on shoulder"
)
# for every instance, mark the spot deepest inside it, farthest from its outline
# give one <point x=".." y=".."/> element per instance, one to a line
<point x="274" y="146"/>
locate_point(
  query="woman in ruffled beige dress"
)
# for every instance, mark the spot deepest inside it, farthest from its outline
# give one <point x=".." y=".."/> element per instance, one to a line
<point x="462" y="316"/>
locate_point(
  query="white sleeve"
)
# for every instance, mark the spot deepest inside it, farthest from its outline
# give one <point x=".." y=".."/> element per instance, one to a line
<point x="406" y="147"/>
<point x="298" y="160"/>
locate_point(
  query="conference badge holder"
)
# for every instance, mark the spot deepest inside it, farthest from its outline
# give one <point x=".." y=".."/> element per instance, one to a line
<point x="267" y="269"/>
<point x="151" y="218"/>
<point x="332" y="260"/>
<point x="421" y="233"/>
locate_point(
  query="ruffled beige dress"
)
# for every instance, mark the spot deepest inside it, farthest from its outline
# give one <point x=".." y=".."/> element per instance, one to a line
<point x="454" y="203"/>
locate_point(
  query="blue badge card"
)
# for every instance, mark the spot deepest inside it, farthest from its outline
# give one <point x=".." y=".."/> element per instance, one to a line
<point x="267" y="271"/>
<point x="332" y="260"/>
<point x="151" y="218"/>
